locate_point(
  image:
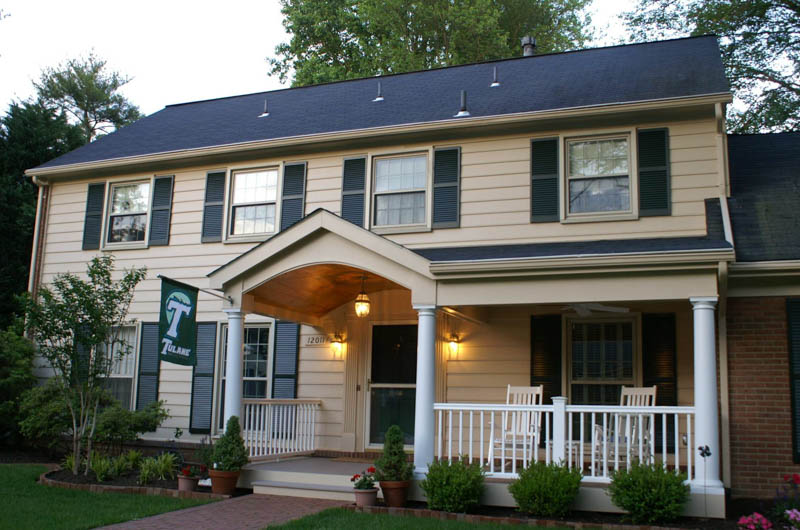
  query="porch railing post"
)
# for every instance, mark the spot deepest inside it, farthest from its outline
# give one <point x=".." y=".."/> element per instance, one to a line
<point x="233" y="364"/>
<point x="559" y="429"/>
<point x="425" y="391"/>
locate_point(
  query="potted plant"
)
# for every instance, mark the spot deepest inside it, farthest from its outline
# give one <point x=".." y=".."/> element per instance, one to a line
<point x="393" y="469"/>
<point x="230" y="456"/>
<point x="188" y="477"/>
<point x="364" y="487"/>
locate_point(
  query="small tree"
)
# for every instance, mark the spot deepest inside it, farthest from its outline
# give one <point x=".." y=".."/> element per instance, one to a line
<point x="77" y="328"/>
<point x="393" y="464"/>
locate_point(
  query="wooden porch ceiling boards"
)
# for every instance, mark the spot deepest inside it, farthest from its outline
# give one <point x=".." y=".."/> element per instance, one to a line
<point x="319" y="289"/>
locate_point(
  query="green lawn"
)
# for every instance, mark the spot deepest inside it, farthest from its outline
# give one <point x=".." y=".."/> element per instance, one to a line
<point x="27" y="504"/>
<point x="338" y="518"/>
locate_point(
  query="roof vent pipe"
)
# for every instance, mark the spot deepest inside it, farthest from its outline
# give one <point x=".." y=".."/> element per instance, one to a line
<point x="265" y="113"/>
<point x="463" y="110"/>
<point x="495" y="82"/>
<point x="528" y="46"/>
<point x="379" y="97"/>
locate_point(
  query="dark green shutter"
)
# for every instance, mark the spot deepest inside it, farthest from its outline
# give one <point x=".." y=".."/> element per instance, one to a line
<point x="93" y="222"/>
<point x="546" y="355"/>
<point x="161" y="211"/>
<point x="353" y="186"/>
<point x="213" y="208"/>
<point x="793" y="325"/>
<point x="293" y="196"/>
<point x="284" y="369"/>
<point x="654" y="181"/>
<point x="148" y="366"/>
<point x="544" y="180"/>
<point x="446" y="187"/>
<point x="203" y="379"/>
<point x="659" y="365"/>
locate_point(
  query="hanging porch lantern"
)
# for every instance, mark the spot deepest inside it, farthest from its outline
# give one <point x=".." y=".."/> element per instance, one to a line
<point x="362" y="301"/>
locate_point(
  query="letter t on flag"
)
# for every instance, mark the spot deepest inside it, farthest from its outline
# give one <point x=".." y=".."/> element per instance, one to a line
<point x="177" y="325"/>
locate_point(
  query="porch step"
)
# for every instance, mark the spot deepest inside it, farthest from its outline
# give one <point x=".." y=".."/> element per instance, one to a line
<point x="299" y="489"/>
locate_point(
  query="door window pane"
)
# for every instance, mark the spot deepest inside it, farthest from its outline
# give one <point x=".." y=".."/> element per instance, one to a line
<point x="391" y="406"/>
<point x="394" y="354"/>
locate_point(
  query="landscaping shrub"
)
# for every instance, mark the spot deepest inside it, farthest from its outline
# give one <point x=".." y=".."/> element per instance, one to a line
<point x="120" y="465"/>
<point x="102" y="467"/>
<point x="117" y="425"/>
<point x="453" y="486"/>
<point x="46" y="420"/>
<point x="393" y="464"/>
<point x="650" y="494"/>
<point x="167" y="466"/>
<point x="16" y="377"/>
<point x="546" y="489"/>
<point x="68" y="462"/>
<point x="230" y="454"/>
<point x="148" y="470"/>
<point x="134" y="458"/>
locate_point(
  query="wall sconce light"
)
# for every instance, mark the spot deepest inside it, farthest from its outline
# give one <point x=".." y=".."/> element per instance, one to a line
<point x="453" y="344"/>
<point x="337" y="346"/>
<point x="362" y="301"/>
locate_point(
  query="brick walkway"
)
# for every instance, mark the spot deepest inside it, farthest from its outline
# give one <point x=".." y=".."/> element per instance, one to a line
<point x="246" y="512"/>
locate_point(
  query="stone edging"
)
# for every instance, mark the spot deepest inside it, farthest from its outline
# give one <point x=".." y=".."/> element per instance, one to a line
<point x="135" y="490"/>
<point x="469" y="518"/>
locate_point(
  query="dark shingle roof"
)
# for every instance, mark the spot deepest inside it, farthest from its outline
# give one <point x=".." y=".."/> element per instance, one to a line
<point x="765" y="196"/>
<point x="618" y="74"/>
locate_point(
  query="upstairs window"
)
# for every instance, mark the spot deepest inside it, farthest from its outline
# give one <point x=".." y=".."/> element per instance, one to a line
<point x="253" y="205"/>
<point x="400" y="184"/>
<point x="598" y="177"/>
<point x="127" y="220"/>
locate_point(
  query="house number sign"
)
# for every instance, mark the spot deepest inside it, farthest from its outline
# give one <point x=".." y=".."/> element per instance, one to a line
<point x="316" y="340"/>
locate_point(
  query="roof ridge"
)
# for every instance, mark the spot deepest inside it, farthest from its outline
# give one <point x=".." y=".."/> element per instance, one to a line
<point x="489" y="61"/>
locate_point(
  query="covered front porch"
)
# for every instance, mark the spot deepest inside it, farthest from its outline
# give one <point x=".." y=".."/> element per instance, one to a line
<point x="437" y="351"/>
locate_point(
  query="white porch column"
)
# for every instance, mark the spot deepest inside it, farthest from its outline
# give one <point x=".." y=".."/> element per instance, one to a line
<point x="426" y="387"/>
<point x="705" y="395"/>
<point x="233" y="364"/>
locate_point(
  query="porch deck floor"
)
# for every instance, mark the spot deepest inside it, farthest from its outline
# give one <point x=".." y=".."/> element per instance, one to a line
<point x="312" y="464"/>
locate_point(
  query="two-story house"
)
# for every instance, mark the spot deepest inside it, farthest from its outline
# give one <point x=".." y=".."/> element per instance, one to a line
<point x="401" y="249"/>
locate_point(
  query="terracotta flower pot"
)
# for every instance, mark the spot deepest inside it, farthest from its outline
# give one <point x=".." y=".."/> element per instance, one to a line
<point x="187" y="483"/>
<point x="395" y="492"/>
<point x="223" y="482"/>
<point x="366" y="497"/>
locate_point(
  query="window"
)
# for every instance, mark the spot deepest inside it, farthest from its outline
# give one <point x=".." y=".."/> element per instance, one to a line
<point x="399" y="190"/>
<point x="120" y="379"/>
<point x="127" y="220"/>
<point x="601" y="361"/>
<point x="253" y="204"/>
<point x="598" y="178"/>
<point x="255" y="368"/>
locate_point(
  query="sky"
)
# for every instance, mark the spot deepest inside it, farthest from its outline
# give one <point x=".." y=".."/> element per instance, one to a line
<point x="173" y="50"/>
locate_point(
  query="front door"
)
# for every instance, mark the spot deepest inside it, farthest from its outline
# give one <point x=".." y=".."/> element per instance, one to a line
<point x="392" y="381"/>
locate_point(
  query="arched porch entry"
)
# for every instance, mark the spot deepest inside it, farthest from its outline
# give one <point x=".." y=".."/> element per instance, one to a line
<point x="310" y="275"/>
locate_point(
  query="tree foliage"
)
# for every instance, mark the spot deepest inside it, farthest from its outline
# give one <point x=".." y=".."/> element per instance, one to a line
<point x="30" y="135"/>
<point x="760" y="41"/>
<point x="88" y="93"/>
<point x="334" y="40"/>
<point x="16" y="377"/>
<point x="77" y="327"/>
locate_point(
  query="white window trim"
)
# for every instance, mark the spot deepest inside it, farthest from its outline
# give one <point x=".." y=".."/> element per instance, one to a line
<point x="633" y="177"/>
<point x="371" y="194"/>
<point x="227" y="221"/>
<point x="106" y="224"/>
<point x="566" y="350"/>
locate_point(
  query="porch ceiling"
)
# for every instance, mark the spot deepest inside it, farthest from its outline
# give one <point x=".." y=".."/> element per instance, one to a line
<point x="317" y="290"/>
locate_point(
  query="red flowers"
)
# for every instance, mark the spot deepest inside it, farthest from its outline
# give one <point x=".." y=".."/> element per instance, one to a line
<point x="371" y="469"/>
<point x="792" y="479"/>
<point x="355" y="477"/>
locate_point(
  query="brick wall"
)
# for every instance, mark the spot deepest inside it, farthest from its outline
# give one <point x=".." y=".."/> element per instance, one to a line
<point x="760" y="407"/>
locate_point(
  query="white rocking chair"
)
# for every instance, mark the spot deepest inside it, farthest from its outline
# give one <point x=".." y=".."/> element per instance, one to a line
<point x="520" y="430"/>
<point x="627" y="430"/>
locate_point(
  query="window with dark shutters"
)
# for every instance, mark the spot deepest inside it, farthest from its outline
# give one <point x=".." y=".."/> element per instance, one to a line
<point x="353" y="189"/>
<point x="793" y="325"/>
<point x="284" y="370"/>
<point x="659" y="366"/>
<point x="293" y="194"/>
<point x="148" y="366"/>
<point x="544" y="180"/>
<point x="214" y="207"/>
<point x="546" y="355"/>
<point x="203" y="379"/>
<point x="93" y="221"/>
<point x="161" y="211"/>
<point x="654" y="174"/>
<point x="446" y="187"/>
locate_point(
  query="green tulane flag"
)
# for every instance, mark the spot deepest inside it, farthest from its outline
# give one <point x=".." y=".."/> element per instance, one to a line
<point x="177" y="325"/>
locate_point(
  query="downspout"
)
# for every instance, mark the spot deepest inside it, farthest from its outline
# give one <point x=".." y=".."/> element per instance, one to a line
<point x="43" y="200"/>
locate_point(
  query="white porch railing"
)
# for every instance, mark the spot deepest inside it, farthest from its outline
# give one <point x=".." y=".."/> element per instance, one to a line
<point x="596" y="439"/>
<point x="279" y="427"/>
